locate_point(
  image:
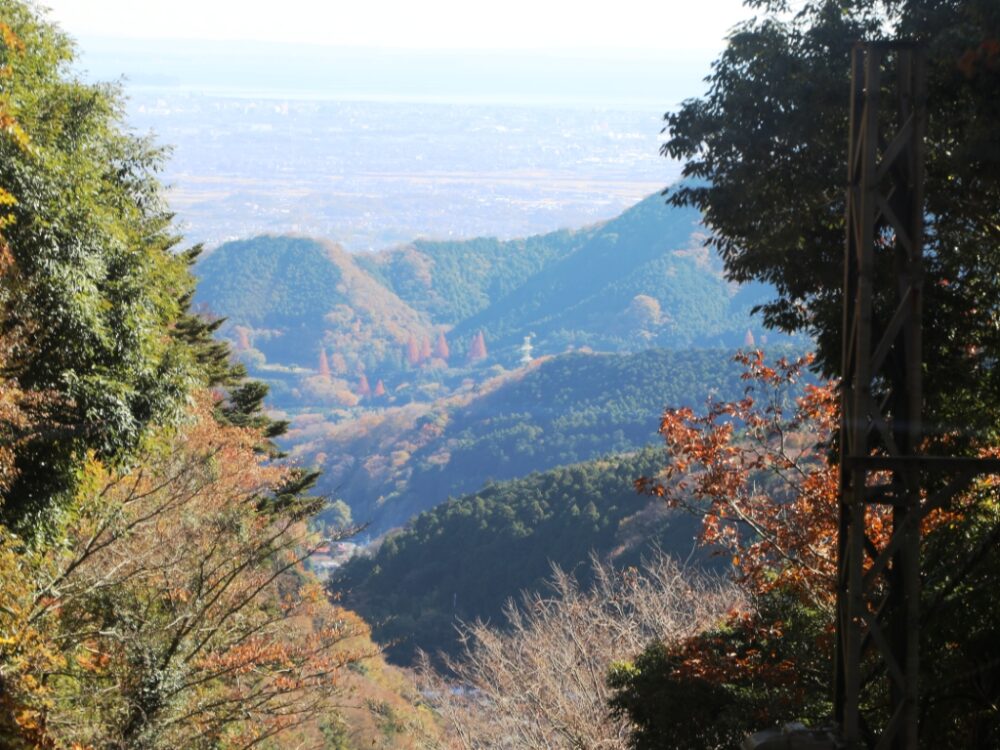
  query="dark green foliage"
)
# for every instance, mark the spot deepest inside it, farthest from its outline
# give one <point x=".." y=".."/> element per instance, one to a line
<point x="199" y="333"/>
<point x="960" y="684"/>
<point x="671" y="712"/>
<point x="149" y="555"/>
<point x="768" y="142"/>
<point x="466" y="557"/>
<point x="244" y="407"/>
<point x="452" y="280"/>
<point x="569" y="409"/>
<point x="294" y="498"/>
<point x="98" y="299"/>
<point x="728" y="682"/>
<point x="95" y="285"/>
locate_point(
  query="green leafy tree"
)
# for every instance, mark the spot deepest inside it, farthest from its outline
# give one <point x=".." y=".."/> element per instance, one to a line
<point x="765" y="150"/>
<point x="94" y="285"/>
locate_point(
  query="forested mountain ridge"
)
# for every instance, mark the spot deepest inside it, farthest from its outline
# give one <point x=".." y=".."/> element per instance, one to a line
<point x="642" y="279"/>
<point x="297" y="307"/>
<point x="462" y="560"/>
<point x="392" y="463"/>
<point x="453" y="280"/>
<point x="290" y="296"/>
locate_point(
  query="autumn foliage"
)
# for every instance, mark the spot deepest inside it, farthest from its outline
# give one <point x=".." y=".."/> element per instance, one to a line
<point x="364" y="389"/>
<point x="441" y="348"/>
<point x="540" y="683"/>
<point x="412" y="352"/>
<point x="216" y="637"/>
<point x="153" y="586"/>
<point x="757" y="472"/>
<point x="477" y="348"/>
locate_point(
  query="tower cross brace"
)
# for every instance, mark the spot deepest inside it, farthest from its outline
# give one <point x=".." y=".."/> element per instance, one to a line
<point x="882" y="471"/>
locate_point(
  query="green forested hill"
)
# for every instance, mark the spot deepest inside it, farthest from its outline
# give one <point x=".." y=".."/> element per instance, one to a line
<point x="288" y="298"/>
<point x="465" y="558"/>
<point x="396" y="462"/>
<point x="270" y="280"/>
<point x="641" y="279"/>
<point x="452" y="280"/>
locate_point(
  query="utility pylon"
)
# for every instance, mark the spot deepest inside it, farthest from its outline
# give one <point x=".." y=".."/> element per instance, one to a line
<point x="882" y="471"/>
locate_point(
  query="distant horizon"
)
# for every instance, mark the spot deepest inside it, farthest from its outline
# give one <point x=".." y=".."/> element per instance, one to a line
<point x="563" y="77"/>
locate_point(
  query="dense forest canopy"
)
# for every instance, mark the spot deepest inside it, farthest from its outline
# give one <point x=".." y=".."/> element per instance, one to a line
<point x="93" y="296"/>
<point x="462" y="560"/>
<point x="152" y="586"/>
<point x="767" y="144"/>
<point x="396" y="462"/>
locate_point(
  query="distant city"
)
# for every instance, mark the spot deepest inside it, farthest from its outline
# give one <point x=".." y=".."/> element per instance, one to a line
<point x="370" y="174"/>
<point x="371" y="148"/>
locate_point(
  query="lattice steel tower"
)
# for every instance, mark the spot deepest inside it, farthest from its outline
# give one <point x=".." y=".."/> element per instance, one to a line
<point x="878" y="615"/>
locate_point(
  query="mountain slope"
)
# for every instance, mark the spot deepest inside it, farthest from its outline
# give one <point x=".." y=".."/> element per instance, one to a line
<point x="641" y="279"/>
<point x="293" y="296"/>
<point x="449" y="281"/>
<point x="465" y="558"/>
<point x="391" y="464"/>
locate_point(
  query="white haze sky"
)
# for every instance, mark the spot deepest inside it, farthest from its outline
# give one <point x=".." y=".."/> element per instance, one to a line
<point x="634" y="26"/>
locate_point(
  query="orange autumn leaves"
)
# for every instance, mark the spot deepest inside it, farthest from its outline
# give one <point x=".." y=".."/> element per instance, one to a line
<point x="757" y="472"/>
<point x="177" y="612"/>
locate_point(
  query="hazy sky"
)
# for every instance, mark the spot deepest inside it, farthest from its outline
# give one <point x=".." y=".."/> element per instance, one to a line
<point x="630" y="25"/>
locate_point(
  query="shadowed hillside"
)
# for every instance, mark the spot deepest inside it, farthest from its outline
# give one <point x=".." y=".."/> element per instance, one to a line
<point x="465" y="558"/>
<point x="392" y="463"/>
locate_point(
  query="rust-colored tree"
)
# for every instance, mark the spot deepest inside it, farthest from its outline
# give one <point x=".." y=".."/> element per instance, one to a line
<point x="178" y="613"/>
<point x="425" y="349"/>
<point x="477" y="349"/>
<point x="412" y="352"/>
<point x="757" y="473"/>
<point x="441" y="349"/>
<point x="324" y="364"/>
<point x="364" y="389"/>
<point x="379" y="389"/>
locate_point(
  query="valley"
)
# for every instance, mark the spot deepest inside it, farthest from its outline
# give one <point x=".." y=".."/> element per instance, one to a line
<point x="399" y="376"/>
<point x="374" y="361"/>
